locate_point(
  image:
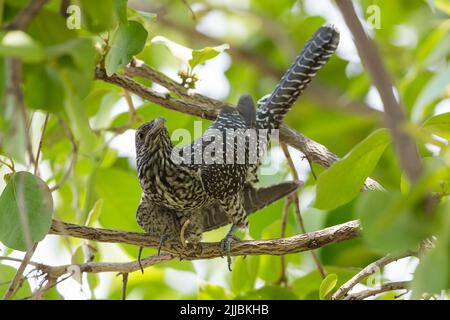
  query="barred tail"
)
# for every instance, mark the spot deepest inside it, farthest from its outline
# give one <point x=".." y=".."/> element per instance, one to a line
<point x="314" y="55"/>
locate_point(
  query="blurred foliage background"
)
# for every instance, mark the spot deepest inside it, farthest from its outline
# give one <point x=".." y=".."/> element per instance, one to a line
<point x="88" y="144"/>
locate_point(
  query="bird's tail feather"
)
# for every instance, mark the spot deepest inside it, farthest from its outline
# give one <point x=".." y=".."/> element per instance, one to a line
<point x="314" y="55"/>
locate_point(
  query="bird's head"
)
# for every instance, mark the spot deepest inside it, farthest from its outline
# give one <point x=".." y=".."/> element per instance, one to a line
<point x="151" y="134"/>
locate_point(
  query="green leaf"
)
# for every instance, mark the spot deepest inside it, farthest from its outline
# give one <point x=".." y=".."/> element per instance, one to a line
<point x="53" y="293"/>
<point x="307" y="286"/>
<point x="344" y="179"/>
<point x="432" y="274"/>
<point x="43" y="90"/>
<point x="245" y="271"/>
<point x="79" y="121"/>
<point x="443" y="5"/>
<point x="100" y="16"/>
<point x="3" y="76"/>
<point x="120" y="203"/>
<point x="208" y="291"/>
<point x="270" y="266"/>
<point x="25" y="201"/>
<point x="327" y="285"/>
<point x="18" y="44"/>
<point x="95" y="213"/>
<point x="49" y="28"/>
<point x="389" y="222"/>
<point x="433" y="90"/>
<point x="81" y="52"/>
<point x="202" y="55"/>
<point x="269" y="293"/>
<point x="146" y="18"/>
<point x="395" y="222"/>
<point x="128" y="40"/>
<point x="121" y="10"/>
<point x="75" y="62"/>
<point x="187" y="55"/>
<point x="78" y="256"/>
<point x="177" y="50"/>
<point x="431" y="42"/>
<point x="7" y="273"/>
<point x="439" y="125"/>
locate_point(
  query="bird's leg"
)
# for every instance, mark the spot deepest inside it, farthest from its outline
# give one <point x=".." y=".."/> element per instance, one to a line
<point x="139" y="259"/>
<point x="236" y="213"/>
<point x="162" y="240"/>
<point x="225" y="244"/>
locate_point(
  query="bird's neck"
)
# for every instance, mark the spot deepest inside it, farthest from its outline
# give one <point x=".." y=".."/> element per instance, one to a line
<point x="156" y="159"/>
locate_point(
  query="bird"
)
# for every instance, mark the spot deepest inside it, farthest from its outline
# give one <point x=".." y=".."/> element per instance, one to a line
<point x="167" y="224"/>
<point x="185" y="187"/>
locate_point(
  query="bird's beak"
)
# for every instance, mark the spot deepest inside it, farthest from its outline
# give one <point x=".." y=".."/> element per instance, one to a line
<point x="158" y="125"/>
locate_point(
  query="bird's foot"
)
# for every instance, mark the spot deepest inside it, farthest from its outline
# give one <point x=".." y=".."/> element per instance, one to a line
<point x="225" y="244"/>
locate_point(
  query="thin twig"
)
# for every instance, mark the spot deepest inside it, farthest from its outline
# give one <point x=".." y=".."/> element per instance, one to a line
<point x="131" y="115"/>
<point x="124" y="285"/>
<point x="25" y="16"/>
<point x="296" y="202"/>
<point x="390" y="286"/>
<point x="393" y="109"/>
<point x="207" y="108"/>
<point x="367" y="271"/>
<point x="44" y="127"/>
<point x="16" y="91"/>
<point x="73" y="156"/>
<point x="15" y="281"/>
<point x="190" y="9"/>
<point x="287" y="203"/>
<point x="63" y="8"/>
<point x="51" y="283"/>
<point x="10" y="166"/>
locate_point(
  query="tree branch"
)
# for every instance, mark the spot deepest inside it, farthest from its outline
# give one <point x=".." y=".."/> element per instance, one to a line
<point x="15" y="281"/>
<point x="24" y="17"/>
<point x="393" y="109"/>
<point x="282" y="246"/>
<point x="207" y="108"/>
<point x="389" y="286"/>
<point x="368" y="270"/>
<point x="322" y="94"/>
<point x="15" y="90"/>
<point x="298" y="243"/>
<point x="296" y="201"/>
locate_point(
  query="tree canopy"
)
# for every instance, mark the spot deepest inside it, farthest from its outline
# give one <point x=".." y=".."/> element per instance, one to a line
<point x="369" y="138"/>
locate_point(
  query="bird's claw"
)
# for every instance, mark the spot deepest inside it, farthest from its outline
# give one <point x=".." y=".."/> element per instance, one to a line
<point x="225" y="245"/>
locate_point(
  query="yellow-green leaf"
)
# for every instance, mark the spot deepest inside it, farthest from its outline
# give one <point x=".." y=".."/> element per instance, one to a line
<point x="343" y="180"/>
<point x="439" y="125"/>
<point x="327" y="285"/>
